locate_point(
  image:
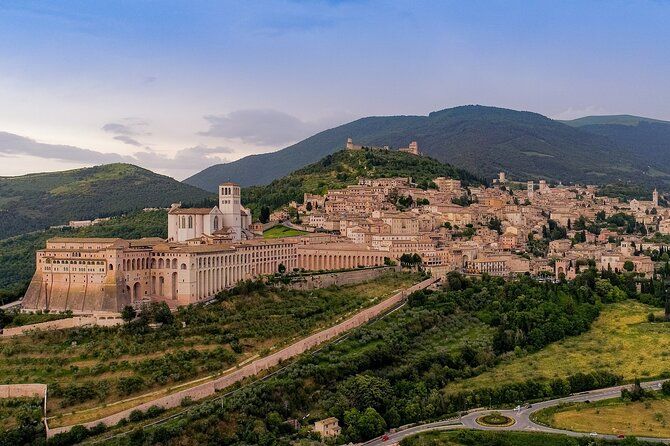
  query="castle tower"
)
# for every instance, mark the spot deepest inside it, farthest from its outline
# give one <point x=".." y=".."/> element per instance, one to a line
<point x="350" y="144"/>
<point x="229" y="203"/>
<point x="501" y="178"/>
<point x="531" y="189"/>
<point x="654" y="196"/>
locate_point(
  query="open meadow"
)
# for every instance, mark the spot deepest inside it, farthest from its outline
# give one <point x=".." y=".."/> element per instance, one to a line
<point x="620" y="341"/>
<point x="648" y="418"/>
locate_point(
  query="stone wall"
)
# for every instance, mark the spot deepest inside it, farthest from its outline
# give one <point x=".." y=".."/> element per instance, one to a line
<point x="209" y="388"/>
<point x="341" y="278"/>
<point x="59" y="324"/>
<point x="23" y="390"/>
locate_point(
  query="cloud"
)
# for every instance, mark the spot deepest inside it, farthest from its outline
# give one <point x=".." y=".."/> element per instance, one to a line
<point x="127" y="130"/>
<point x="574" y="113"/>
<point x="128" y="140"/>
<point x="188" y="159"/>
<point x="262" y="127"/>
<point x="191" y="158"/>
<point x="11" y="144"/>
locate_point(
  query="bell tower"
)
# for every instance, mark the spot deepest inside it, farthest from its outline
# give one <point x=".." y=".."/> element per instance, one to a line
<point x="229" y="204"/>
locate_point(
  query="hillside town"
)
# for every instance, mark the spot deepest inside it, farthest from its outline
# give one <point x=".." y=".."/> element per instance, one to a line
<point x="509" y="228"/>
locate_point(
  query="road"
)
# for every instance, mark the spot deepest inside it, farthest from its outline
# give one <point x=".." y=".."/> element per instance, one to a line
<point x="522" y="418"/>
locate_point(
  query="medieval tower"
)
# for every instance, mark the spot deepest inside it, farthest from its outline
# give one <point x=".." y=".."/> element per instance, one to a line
<point x="229" y="204"/>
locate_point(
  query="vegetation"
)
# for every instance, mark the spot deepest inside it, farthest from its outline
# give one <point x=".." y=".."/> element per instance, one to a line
<point x="90" y="366"/>
<point x="282" y="231"/>
<point x="17" y="254"/>
<point x="395" y="370"/>
<point x="16" y="319"/>
<point x="620" y="341"/>
<point x="483" y="438"/>
<point x="19" y="416"/>
<point x="343" y="168"/>
<point x="37" y="201"/>
<point x="649" y="417"/>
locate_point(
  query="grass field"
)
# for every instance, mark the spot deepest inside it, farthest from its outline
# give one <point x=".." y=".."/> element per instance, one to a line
<point x="96" y="366"/>
<point x="648" y="418"/>
<point x="620" y="341"/>
<point x="282" y="231"/>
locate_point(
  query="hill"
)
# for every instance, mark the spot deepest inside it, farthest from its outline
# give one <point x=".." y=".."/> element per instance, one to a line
<point x="36" y="201"/>
<point x="648" y="139"/>
<point x="344" y="168"/>
<point x="483" y="140"/>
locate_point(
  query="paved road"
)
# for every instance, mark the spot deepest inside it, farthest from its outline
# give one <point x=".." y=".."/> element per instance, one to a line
<point x="521" y="418"/>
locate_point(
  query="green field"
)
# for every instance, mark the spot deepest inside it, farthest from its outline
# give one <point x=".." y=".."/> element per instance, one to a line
<point x="282" y="231"/>
<point x="90" y="367"/>
<point x="620" y="341"/>
<point x="479" y="438"/>
<point x="648" y="418"/>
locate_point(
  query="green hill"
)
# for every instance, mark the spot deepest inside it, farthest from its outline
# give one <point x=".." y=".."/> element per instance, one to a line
<point x="344" y="168"/>
<point x="646" y="139"/>
<point x="36" y="201"/>
<point x="482" y="140"/>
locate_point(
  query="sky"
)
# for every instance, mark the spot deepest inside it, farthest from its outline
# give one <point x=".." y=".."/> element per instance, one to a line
<point x="176" y="86"/>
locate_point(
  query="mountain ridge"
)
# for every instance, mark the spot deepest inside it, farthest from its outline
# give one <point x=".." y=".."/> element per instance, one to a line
<point x="481" y="139"/>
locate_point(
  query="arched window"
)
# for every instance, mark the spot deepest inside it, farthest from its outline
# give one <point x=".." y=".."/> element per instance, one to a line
<point x="174" y="263"/>
<point x="216" y="223"/>
<point x="183" y="266"/>
<point x="190" y="222"/>
<point x="111" y="267"/>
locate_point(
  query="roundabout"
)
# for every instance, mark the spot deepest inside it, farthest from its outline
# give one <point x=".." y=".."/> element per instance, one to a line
<point x="495" y="419"/>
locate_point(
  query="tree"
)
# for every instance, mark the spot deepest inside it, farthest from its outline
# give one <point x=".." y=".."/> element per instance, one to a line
<point x="308" y="206"/>
<point x="128" y="313"/>
<point x="162" y="314"/>
<point x="628" y="265"/>
<point x="281" y="268"/>
<point x="265" y="214"/>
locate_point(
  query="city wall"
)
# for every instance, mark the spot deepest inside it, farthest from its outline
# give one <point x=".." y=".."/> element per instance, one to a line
<point x="314" y="281"/>
<point x="59" y="324"/>
<point x="209" y="388"/>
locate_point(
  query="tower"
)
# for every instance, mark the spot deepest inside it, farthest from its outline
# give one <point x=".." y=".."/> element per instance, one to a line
<point x="531" y="189"/>
<point x="501" y="178"/>
<point x="229" y="203"/>
<point x="654" y="196"/>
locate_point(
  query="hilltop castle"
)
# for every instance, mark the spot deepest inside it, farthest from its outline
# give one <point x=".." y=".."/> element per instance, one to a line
<point x="412" y="149"/>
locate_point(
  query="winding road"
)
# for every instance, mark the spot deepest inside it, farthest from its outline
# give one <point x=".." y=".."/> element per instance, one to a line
<point x="522" y="418"/>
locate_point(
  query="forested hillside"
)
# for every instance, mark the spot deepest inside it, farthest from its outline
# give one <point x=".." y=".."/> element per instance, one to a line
<point x="37" y="201"/>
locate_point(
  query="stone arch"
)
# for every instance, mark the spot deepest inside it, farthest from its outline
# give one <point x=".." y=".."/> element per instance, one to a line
<point x="137" y="292"/>
<point x="173" y="293"/>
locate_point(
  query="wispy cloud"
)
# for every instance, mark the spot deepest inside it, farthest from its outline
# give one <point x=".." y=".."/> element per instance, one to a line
<point x="188" y="159"/>
<point x="127" y="130"/>
<point x="264" y="127"/>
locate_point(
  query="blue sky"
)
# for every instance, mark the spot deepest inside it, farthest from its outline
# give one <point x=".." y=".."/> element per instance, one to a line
<point x="178" y="85"/>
